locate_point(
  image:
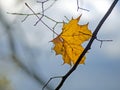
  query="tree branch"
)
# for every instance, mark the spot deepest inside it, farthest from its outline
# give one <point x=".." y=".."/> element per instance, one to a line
<point x="88" y="45"/>
<point x="41" y="19"/>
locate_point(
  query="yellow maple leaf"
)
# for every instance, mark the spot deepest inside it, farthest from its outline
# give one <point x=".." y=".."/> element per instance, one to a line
<point x="68" y="43"/>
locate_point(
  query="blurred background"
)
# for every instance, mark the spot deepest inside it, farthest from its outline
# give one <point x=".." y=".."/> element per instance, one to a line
<point x="27" y="60"/>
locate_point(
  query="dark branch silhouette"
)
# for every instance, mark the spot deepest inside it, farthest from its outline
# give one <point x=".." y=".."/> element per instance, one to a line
<point x="88" y="45"/>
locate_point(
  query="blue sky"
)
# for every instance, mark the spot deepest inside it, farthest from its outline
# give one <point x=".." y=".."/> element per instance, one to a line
<point x="101" y="70"/>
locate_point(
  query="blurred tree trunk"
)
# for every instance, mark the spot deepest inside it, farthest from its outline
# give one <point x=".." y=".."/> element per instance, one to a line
<point x="9" y="30"/>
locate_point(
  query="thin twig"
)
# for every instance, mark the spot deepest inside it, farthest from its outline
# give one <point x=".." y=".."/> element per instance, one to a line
<point x="42" y="1"/>
<point x="103" y="41"/>
<point x="42" y="15"/>
<point x="41" y="20"/>
<point x="23" y="14"/>
<point x="42" y="12"/>
<point x="66" y="18"/>
<point x="49" y="5"/>
<point x="88" y="45"/>
<point x="31" y="14"/>
<point x="50" y="80"/>
<point x="35" y="14"/>
<point x="25" y="18"/>
<point x="26" y="15"/>
<point x="81" y="8"/>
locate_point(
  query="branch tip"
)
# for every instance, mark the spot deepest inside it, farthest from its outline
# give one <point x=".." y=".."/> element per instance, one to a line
<point x="50" y="80"/>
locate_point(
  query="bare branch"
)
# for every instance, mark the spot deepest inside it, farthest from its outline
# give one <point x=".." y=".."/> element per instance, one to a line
<point x="25" y="18"/>
<point x="66" y="18"/>
<point x="23" y="14"/>
<point x="42" y="15"/>
<point x="41" y="20"/>
<point x="34" y="14"/>
<point x="50" y="5"/>
<point x="43" y="10"/>
<point x="88" y="45"/>
<point x="31" y="14"/>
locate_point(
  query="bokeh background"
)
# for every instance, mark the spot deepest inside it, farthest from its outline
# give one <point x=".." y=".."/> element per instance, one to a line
<point x="27" y="60"/>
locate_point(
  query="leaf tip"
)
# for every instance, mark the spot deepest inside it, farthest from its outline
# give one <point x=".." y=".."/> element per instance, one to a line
<point x="79" y="17"/>
<point x="87" y="24"/>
